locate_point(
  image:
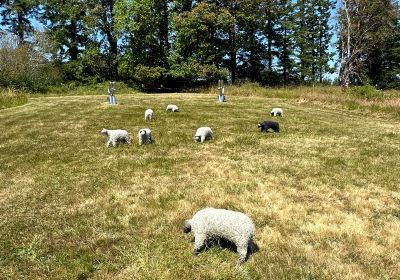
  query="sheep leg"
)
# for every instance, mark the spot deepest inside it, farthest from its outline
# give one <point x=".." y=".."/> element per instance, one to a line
<point x="242" y="251"/>
<point x="108" y="143"/>
<point x="199" y="240"/>
<point x="202" y="139"/>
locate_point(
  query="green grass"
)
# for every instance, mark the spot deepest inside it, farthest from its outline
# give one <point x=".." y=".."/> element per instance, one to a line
<point x="324" y="193"/>
<point x="10" y="98"/>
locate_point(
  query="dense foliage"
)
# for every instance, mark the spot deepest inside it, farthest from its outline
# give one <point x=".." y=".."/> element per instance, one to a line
<point x="175" y="43"/>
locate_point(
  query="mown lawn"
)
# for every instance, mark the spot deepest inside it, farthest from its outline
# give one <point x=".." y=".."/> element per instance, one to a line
<point x="324" y="193"/>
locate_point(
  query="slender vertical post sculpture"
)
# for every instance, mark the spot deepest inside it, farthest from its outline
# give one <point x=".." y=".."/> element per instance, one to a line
<point x="111" y="94"/>
<point x="221" y="96"/>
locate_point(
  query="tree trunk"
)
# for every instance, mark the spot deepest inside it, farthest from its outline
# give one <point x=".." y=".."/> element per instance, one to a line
<point x="320" y="67"/>
<point x="20" y="28"/>
<point x="73" y="49"/>
<point x="163" y="33"/>
<point x="345" y="63"/>
<point x="285" y="57"/>
<point x="233" y="53"/>
<point x="269" y="42"/>
<point x="108" y="29"/>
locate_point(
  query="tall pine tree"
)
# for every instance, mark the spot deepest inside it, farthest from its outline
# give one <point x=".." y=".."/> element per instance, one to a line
<point x="312" y="36"/>
<point x="285" y="41"/>
<point x="17" y="16"/>
<point x="64" y="22"/>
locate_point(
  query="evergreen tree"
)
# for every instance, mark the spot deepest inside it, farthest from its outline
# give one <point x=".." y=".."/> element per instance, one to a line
<point x="64" y="22"/>
<point x="382" y="57"/>
<point x="180" y="6"/>
<point x="312" y="36"/>
<point x="250" y="19"/>
<point x="304" y="37"/>
<point x="17" y="15"/>
<point x="323" y="11"/>
<point x="270" y="8"/>
<point x="285" y="41"/>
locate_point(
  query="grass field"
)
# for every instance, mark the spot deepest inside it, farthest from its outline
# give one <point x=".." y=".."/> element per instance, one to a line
<point x="324" y="193"/>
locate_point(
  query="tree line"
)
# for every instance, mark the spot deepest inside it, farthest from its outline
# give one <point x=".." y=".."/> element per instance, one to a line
<point x="175" y="43"/>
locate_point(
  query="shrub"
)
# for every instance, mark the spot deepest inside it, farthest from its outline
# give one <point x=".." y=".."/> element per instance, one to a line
<point x="25" y="66"/>
<point x="148" y="76"/>
<point x="192" y="71"/>
<point x="368" y="92"/>
<point x="11" y="98"/>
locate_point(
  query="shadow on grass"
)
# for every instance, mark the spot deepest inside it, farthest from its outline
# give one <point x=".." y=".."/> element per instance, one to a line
<point x="224" y="243"/>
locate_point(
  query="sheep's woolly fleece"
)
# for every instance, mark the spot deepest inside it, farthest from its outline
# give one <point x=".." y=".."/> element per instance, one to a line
<point x="117" y="135"/>
<point x="172" y="108"/>
<point x="234" y="226"/>
<point x="203" y="133"/>
<point x="144" y="136"/>
<point x="148" y="115"/>
<point x="277" y="112"/>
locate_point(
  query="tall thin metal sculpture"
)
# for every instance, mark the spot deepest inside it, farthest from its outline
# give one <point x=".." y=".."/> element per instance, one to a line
<point x="111" y="94"/>
<point x="221" y="88"/>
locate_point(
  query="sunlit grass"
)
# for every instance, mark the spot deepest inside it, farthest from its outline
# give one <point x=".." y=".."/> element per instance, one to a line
<point x="324" y="193"/>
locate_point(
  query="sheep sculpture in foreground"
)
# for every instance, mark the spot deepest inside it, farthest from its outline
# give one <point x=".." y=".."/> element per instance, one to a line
<point x="234" y="226"/>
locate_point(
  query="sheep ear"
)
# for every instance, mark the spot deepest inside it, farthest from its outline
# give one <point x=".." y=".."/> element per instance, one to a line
<point x="187" y="227"/>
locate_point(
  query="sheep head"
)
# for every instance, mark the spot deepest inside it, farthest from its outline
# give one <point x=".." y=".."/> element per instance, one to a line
<point x="187" y="227"/>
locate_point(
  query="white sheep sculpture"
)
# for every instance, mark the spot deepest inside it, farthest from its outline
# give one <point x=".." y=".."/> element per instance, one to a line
<point x="202" y="134"/>
<point x="148" y="115"/>
<point x="277" y="112"/>
<point x="234" y="226"/>
<point x="115" y="136"/>
<point x="144" y="136"/>
<point x="172" y="108"/>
